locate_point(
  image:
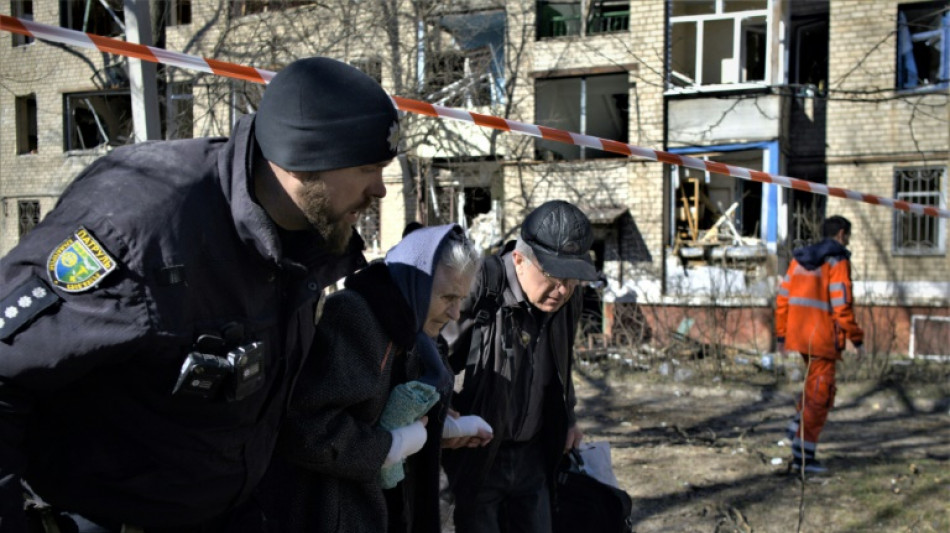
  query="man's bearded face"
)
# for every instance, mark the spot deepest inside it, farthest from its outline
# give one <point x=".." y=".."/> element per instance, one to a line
<point x="330" y="223"/>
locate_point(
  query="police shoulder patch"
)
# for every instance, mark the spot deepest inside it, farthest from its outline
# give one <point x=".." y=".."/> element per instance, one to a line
<point x="79" y="263"/>
<point x="23" y="304"/>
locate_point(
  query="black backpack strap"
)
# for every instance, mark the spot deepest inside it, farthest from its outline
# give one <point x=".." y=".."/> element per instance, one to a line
<point x="490" y="296"/>
<point x="485" y="392"/>
<point x="487" y="302"/>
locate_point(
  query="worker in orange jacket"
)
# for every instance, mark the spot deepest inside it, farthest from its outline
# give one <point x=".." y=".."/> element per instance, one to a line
<point x="813" y="317"/>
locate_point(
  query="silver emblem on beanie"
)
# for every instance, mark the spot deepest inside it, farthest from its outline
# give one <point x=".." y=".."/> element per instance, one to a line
<point x="393" y="136"/>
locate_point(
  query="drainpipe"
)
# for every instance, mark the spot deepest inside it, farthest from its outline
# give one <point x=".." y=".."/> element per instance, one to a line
<point x="667" y="193"/>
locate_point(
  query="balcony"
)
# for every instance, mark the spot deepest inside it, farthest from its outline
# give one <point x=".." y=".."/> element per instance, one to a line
<point x="608" y="22"/>
<point x="563" y="20"/>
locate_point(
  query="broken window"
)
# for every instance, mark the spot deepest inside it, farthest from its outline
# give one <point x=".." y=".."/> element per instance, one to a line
<point x="240" y="8"/>
<point x="93" y="119"/>
<point x="174" y="12"/>
<point x="21" y="9"/>
<point x="717" y="42"/>
<point x="809" y="52"/>
<point x="713" y="209"/>
<point x="467" y="80"/>
<point x="472" y="49"/>
<point x="458" y="204"/>
<point x="443" y="201"/>
<point x="563" y="18"/>
<point x="443" y="69"/>
<point x="805" y="217"/>
<point x="179" y="111"/>
<point x="558" y="19"/>
<point x="607" y="16"/>
<point x="26" y="136"/>
<point x="923" y="45"/>
<point x="368" y="226"/>
<point x="371" y="66"/>
<point x="458" y="192"/>
<point x="28" y="215"/>
<point x="245" y="98"/>
<point x="99" y="17"/>
<point x="920" y="234"/>
<point x="590" y="105"/>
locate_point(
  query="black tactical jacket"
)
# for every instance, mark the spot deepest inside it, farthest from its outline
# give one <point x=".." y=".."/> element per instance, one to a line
<point x="494" y="368"/>
<point x="87" y="413"/>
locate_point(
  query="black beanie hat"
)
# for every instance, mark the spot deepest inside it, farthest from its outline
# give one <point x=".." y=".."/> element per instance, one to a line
<point x="322" y="114"/>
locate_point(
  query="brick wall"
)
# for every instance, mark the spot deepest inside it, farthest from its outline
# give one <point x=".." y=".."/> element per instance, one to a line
<point x="874" y="129"/>
<point x="48" y="72"/>
<point x="595" y="183"/>
<point x="868" y="133"/>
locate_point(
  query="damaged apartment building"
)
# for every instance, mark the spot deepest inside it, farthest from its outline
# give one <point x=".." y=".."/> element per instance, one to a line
<point x="848" y="93"/>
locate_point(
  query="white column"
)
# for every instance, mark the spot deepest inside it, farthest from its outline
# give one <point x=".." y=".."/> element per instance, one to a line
<point x="142" y="77"/>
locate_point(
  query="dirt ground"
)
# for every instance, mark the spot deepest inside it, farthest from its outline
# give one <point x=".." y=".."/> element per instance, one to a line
<point x="699" y="453"/>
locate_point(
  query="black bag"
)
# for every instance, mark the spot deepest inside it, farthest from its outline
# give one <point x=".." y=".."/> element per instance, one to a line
<point x="583" y="503"/>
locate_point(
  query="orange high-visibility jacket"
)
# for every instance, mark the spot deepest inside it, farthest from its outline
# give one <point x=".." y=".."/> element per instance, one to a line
<point x="813" y="312"/>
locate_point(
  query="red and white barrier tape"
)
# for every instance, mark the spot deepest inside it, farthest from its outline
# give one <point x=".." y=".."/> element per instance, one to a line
<point x="231" y="70"/>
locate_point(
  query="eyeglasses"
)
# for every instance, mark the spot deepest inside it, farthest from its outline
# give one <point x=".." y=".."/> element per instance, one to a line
<point x="567" y="283"/>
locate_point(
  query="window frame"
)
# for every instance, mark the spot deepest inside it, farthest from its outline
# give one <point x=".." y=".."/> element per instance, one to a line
<point x="584" y="103"/>
<point x="179" y="110"/>
<point x="741" y="28"/>
<point x="901" y="218"/>
<point x="586" y="18"/>
<point x="244" y="98"/>
<point x="27" y="133"/>
<point x="24" y="227"/>
<point x="370" y="226"/>
<point x="372" y="66"/>
<point x="103" y="20"/>
<point x="749" y="216"/>
<point x="941" y="31"/>
<point x="69" y="119"/>
<point x="176" y="12"/>
<point x="244" y="8"/>
<point x="21" y="9"/>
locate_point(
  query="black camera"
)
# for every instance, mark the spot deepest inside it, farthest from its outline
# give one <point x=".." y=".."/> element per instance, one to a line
<point x="202" y="375"/>
<point x="247" y="367"/>
<point x="236" y="374"/>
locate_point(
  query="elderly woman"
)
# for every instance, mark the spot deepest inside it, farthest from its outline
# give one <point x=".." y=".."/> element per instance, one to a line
<point x="374" y="335"/>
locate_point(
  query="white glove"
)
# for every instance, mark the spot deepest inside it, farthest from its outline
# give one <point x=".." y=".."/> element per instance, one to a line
<point x="407" y="440"/>
<point x="464" y="426"/>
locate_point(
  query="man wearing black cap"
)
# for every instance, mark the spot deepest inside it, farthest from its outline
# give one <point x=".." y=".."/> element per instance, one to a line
<point x="514" y="346"/>
<point x="152" y="326"/>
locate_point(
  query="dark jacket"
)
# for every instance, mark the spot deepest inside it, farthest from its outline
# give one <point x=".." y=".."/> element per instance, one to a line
<point x="332" y="448"/>
<point x="87" y="414"/>
<point x="493" y="383"/>
<point x="331" y="433"/>
<point x="413" y="505"/>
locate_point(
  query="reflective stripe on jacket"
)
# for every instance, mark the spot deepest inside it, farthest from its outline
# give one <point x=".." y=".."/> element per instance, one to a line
<point x="814" y="308"/>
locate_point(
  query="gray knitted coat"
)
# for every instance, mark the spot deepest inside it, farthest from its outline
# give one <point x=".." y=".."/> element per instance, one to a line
<point x="331" y="430"/>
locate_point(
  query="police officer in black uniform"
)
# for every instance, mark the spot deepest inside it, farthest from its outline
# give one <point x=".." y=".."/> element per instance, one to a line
<point x="152" y="326"/>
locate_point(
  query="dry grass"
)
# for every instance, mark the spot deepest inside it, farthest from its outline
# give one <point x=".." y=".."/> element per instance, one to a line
<point x="695" y="449"/>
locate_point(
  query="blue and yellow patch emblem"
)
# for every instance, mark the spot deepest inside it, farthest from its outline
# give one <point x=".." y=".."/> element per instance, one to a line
<point x="79" y="263"/>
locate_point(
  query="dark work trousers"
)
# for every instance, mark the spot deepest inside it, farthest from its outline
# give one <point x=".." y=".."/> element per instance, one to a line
<point x="514" y="497"/>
